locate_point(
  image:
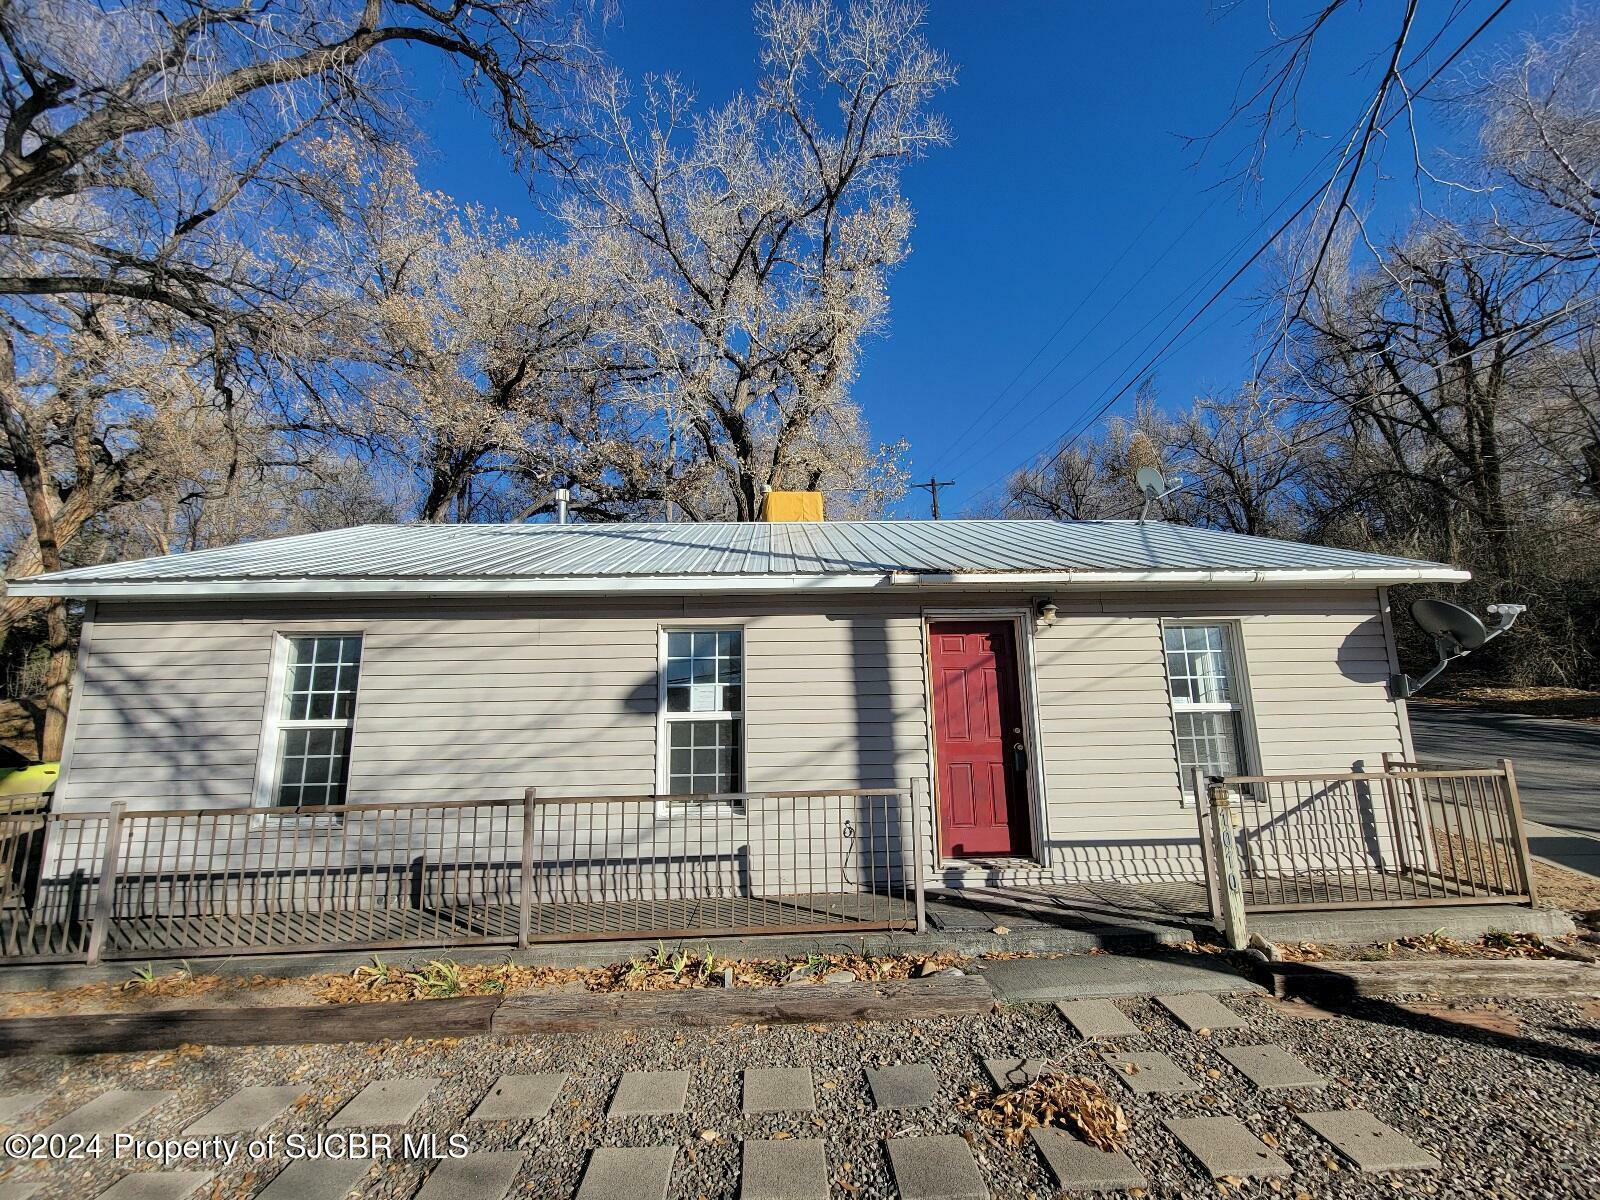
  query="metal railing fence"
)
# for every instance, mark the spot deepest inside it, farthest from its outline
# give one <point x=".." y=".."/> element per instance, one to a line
<point x="1403" y="837"/>
<point x="137" y="884"/>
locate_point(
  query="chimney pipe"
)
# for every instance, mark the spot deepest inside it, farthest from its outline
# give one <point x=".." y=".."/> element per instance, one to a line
<point x="563" y="499"/>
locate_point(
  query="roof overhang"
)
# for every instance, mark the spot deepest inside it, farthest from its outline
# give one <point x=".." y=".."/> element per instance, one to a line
<point x="1296" y="577"/>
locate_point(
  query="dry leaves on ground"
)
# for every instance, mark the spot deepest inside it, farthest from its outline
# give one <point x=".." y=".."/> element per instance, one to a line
<point x="1494" y="945"/>
<point x="663" y="971"/>
<point x="1069" y="1102"/>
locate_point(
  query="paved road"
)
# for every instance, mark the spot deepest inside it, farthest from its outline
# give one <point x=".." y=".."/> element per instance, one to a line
<point x="1557" y="764"/>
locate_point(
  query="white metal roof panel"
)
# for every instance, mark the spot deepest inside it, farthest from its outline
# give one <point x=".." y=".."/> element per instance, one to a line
<point x="725" y="556"/>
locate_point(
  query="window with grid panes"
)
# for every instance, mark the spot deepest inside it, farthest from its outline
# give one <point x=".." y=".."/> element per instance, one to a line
<point x="703" y="680"/>
<point x="1207" y="708"/>
<point x="315" y="721"/>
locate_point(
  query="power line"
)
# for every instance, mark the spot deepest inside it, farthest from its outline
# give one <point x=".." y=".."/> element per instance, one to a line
<point x="1216" y="295"/>
<point x="1354" y="410"/>
<point x="961" y="438"/>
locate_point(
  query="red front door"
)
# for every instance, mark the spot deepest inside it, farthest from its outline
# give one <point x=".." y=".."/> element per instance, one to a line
<point x="977" y="722"/>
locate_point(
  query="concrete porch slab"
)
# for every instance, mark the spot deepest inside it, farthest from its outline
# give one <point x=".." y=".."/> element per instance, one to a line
<point x="1097" y="976"/>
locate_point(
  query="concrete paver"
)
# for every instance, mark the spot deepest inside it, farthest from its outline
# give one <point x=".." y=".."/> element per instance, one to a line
<point x="935" y="1168"/>
<point x="1368" y="1142"/>
<point x="1225" y="1146"/>
<point x="486" y="1175"/>
<point x="1011" y="1073"/>
<point x="1097" y="1018"/>
<point x="157" y="1185"/>
<point x="791" y="1169"/>
<point x="779" y="1089"/>
<point x="13" y="1106"/>
<point x="649" y="1092"/>
<point x="317" y="1179"/>
<point x="908" y="1085"/>
<point x="384" y="1102"/>
<point x="1271" y="1067"/>
<point x="109" y="1113"/>
<point x="628" y="1173"/>
<point x="1149" y="1071"/>
<point x="1083" y="977"/>
<point x="1080" y="1167"/>
<point x="1193" y="1010"/>
<point x="246" y="1110"/>
<point x="520" y="1098"/>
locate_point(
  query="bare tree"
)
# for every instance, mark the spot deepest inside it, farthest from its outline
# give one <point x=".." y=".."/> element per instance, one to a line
<point x="755" y="241"/>
<point x="1541" y="143"/>
<point x="148" y="183"/>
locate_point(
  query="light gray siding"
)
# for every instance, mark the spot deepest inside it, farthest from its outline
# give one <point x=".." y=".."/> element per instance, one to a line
<point x="480" y="700"/>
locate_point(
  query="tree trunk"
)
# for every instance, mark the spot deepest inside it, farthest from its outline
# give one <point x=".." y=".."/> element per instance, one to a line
<point x="30" y="469"/>
<point x="57" y="677"/>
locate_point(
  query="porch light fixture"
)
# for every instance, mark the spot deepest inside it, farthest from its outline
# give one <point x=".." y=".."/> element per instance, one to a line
<point x="1046" y="610"/>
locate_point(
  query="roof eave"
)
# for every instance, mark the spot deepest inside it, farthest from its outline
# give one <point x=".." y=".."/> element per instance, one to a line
<point x="700" y="584"/>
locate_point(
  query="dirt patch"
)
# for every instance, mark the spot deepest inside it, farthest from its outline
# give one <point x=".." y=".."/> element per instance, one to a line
<point x="1571" y="890"/>
<point x="1488" y="1020"/>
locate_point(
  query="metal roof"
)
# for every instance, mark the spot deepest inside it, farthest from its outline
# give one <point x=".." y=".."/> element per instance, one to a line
<point x="436" y="559"/>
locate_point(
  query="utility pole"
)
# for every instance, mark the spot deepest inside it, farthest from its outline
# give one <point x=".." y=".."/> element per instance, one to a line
<point x="933" y="485"/>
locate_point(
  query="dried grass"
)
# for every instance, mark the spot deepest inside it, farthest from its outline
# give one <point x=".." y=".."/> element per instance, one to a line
<point x="663" y="971"/>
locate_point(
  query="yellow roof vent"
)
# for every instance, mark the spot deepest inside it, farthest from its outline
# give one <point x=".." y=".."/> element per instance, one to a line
<point x="792" y="506"/>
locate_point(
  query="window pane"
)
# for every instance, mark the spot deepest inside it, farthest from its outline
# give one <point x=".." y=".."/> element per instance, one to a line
<point x="1209" y="741"/>
<point x="322" y="678"/>
<point x="1198" y="665"/>
<point x="704" y="757"/>
<point x="314" y="767"/>
<point x="704" y="671"/>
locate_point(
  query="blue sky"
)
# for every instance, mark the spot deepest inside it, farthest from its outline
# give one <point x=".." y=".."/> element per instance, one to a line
<point x="1068" y="186"/>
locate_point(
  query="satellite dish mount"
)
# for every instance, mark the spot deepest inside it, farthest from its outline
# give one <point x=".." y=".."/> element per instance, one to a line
<point x="1456" y="633"/>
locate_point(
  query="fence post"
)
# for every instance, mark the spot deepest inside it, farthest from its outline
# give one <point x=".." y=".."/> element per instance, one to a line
<point x="525" y="915"/>
<point x="1514" y="816"/>
<point x="1226" y="847"/>
<point x="100" y="923"/>
<point x="919" y="793"/>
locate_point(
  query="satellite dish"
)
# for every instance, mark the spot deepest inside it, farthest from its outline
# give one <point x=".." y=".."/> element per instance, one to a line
<point x="1442" y="621"/>
<point x="1455" y="632"/>
<point x="1151" y="482"/>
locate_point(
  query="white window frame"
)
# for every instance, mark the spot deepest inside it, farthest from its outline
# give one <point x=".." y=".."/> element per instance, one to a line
<point x="269" y="761"/>
<point x="668" y="804"/>
<point x="1233" y="643"/>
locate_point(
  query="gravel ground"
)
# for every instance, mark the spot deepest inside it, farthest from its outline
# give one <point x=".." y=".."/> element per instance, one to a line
<point x="1510" y="1117"/>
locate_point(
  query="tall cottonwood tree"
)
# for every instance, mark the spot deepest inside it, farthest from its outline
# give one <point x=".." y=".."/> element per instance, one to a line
<point x="144" y="150"/>
<point x="755" y="242"/>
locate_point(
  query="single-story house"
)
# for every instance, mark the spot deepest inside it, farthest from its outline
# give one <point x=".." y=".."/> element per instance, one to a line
<point x="1048" y="686"/>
